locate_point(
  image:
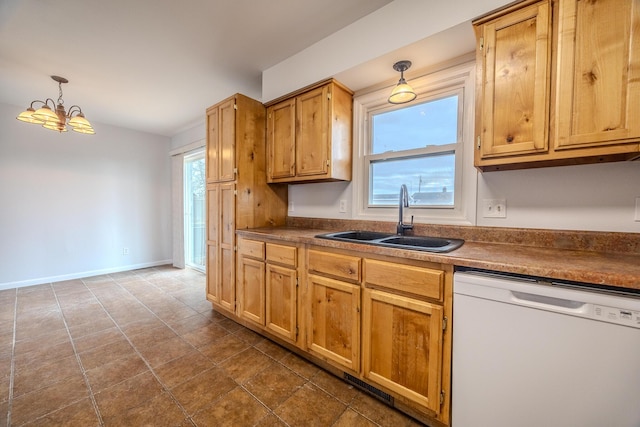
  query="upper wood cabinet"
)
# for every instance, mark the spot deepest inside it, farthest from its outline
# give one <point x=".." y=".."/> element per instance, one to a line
<point x="598" y="73"/>
<point x="221" y="141"/>
<point x="515" y="90"/>
<point x="309" y="135"/>
<point x="558" y="83"/>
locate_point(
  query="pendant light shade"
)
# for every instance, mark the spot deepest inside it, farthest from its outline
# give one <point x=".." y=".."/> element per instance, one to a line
<point x="402" y="92"/>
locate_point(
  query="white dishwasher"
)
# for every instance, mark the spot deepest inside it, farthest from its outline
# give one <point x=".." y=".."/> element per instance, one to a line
<point x="527" y="353"/>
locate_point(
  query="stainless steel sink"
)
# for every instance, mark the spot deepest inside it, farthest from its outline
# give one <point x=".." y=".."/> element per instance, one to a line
<point x="420" y="243"/>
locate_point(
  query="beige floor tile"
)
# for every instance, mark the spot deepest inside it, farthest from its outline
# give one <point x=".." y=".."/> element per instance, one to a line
<point x="34" y="376"/>
<point x="205" y="335"/>
<point x="159" y="411"/>
<point x="128" y="394"/>
<point x="245" y="365"/>
<point x="224" y="348"/>
<point x="99" y="356"/>
<point x="203" y="389"/>
<point x="117" y="371"/>
<point x="301" y="366"/>
<point x="274" y="385"/>
<point x="183" y="369"/>
<point x="236" y="408"/>
<point x="336" y="387"/>
<point x="31" y="406"/>
<point x="351" y="418"/>
<point x="310" y="407"/>
<point x="80" y="413"/>
<point x="164" y="351"/>
<point x="380" y="413"/>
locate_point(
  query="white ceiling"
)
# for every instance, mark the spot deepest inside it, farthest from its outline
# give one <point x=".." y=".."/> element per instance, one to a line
<point x="155" y="65"/>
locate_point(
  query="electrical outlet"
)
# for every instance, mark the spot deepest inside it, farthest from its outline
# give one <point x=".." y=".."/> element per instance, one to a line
<point x="343" y="206"/>
<point x="290" y="205"/>
<point x="637" y="209"/>
<point x="125" y="251"/>
<point x="494" y="208"/>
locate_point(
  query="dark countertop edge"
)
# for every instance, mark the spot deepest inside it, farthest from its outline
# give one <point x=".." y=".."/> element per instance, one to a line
<point x="589" y="267"/>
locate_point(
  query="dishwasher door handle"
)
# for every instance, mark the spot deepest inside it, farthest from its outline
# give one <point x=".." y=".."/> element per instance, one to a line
<point x="549" y="303"/>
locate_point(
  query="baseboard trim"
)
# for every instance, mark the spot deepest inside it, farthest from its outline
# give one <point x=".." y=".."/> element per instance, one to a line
<point x="80" y="275"/>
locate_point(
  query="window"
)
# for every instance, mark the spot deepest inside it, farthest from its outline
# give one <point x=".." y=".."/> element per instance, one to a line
<point x="415" y="145"/>
<point x="420" y="144"/>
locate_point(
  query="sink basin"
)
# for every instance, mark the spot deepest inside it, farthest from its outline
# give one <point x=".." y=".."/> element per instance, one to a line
<point x="423" y="242"/>
<point x="420" y="243"/>
<point x="356" y="235"/>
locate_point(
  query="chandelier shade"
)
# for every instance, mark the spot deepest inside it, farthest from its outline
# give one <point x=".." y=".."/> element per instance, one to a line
<point x="55" y="117"/>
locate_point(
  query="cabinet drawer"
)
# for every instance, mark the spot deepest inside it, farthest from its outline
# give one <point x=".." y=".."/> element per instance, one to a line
<point x="421" y="281"/>
<point x="251" y="248"/>
<point x="280" y="254"/>
<point x="344" y="267"/>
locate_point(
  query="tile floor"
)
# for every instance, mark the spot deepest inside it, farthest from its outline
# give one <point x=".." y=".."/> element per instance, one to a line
<point x="144" y="348"/>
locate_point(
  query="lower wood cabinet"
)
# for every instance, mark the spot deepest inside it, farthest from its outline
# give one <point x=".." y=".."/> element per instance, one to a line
<point x="402" y="346"/>
<point x="381" y="319"/>
<point x="221" y="277"/>
<point x="333" y="308"/>
<point x="334" y="321"/>
<point x="250" y="281"/>
<point x="267" y="287"/>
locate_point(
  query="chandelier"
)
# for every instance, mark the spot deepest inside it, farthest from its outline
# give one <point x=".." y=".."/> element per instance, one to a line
<point x="54" y="116"/>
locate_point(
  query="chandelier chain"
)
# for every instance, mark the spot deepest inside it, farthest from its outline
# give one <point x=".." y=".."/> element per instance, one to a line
<point x="60" y="100"/>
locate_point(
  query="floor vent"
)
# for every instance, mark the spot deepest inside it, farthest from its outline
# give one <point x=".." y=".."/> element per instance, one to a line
<point x="386" y="398"/>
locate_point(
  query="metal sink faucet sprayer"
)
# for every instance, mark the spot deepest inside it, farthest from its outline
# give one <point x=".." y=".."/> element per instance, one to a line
<point x="403" y="203"/>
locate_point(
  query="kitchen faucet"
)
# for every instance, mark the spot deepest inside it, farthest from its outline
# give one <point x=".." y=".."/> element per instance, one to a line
<point x="404" y="203"/>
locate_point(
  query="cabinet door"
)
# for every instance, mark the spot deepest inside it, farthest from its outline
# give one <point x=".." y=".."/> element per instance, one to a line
<point x="221" y="142"/>
<point x="250" y="289"/>
<point x="402" y="346"/>
<point x="312" y="133"/>
<point x="281" y="140"/>
<point x="598" y="80"/>
<point x="281" y="301"/>
<point x="226" y="262"/>
<point x="213" y="222"/>
<point x="515" y="63"/>
<point x="227" y="141"/>
<point x="334" y="321"/>
<point x="212" y="160"/>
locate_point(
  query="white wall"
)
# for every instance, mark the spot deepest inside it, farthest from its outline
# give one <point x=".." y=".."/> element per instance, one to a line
<point x="189" y="136"/>
<point x="598" y="197"/>
<point x="588" y="197"/>
<point x="72" y="202"/>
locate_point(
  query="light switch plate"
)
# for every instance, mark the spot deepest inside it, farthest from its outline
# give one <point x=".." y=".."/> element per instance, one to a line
<point x="637" y="218"/>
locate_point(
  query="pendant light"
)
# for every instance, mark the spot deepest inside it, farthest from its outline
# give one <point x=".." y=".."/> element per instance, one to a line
<point x="402" y="92"/>
<point x="55" y="117"/>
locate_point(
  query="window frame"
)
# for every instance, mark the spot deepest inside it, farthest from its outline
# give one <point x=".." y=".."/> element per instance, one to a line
<point x="457" y="79"/>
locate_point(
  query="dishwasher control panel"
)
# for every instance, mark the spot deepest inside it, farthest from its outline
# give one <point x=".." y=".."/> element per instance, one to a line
<point x="619" y="316"/>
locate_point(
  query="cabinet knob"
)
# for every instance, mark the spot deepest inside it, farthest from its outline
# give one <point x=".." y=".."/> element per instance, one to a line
<point x="510" y="139"/>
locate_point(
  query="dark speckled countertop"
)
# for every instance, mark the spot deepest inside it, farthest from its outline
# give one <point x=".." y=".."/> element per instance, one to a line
<point x="611" y="259"/>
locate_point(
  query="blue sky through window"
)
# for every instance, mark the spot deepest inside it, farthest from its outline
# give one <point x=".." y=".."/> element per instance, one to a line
<point x="430" y="178"/>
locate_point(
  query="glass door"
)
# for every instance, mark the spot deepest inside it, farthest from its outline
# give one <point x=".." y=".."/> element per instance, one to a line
<point x="194" y="210"/>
